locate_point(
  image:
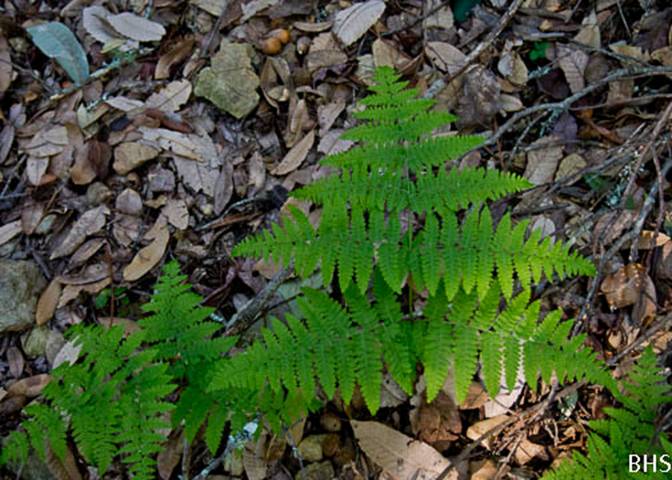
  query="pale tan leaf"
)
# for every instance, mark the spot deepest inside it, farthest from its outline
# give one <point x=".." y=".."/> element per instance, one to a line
<point x="130" y="155"/>
<point x="94" y="20"/>
<point x="478" y="429"/>
<point x="573" y="63"/>
<point x="177" y="213"/>
<point x="6" y="71"/>
<point x="590" y="31"/>
<point x="30" y="387"/>
<point x="9" y="231"/>
<point x="170" y="455"/>
<point x="400" y="456"/>
<point x="136" y="27"/>
<point x="48" y="142"/>
<point x="224" y="187"/>
<point x="250" y="9"/>
<point x="295" y="157"/>
<point x="36" y="167"/>
<point x="124" y="104"/>
<point x="91" y="221"/>
<point x="528" y="450"/>
<point x="148" y="257"/>
<point x="46" y="305"/>
<point x="442" y="18"/>
<point x="171" y="97"/>
<point x="353" y="22"/>
<point x="542" y="160"/>
<point x="16" y="361"/>
<point x="445" y="56"/>
<point x="68" y="353"/>
<point x="624" y="287"/>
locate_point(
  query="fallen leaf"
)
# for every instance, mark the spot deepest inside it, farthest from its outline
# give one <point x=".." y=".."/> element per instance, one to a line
<point x="177" y="213"/>
<point x="68" y="353"/>
<point x="649" y="239"/>
<point x="398" y="455"/>
<point x="148" y="257"/>
<point x="625" y="286"/>
<point x="590" y="31"/>
<point x="6" y="71"/>
<point x="136" y="27"/>
<point x="527" y="450"/>
<point x="171" y="97"/>
<point x="36" y="168"/>
<point x="175" y="54"/>
<point x="478" y="429"/>
<point x="512" y="66"/>
<point x="130" y="155"/>
<point x="170" y="455"/>
<point x="442" y="18"/>
<point x="94" y="20"/>
<point x="9" y="230"/>
<point x="573" y="63"/>
<point x="91" y="221"/>
<point x="29" y="387"/>
<point x="445" y="56"/>
<point x="571" y="165"/>
<point x="62" y="468"/>
<point x="250" y="9"/>
<point x="48" y="142"/>
<point x="46" y="305"/>
<point x="230" y="82"/>
<point x="16" y="361"/>
<point x="353" y="22"/>
<point x="542" y="160"/>
<point x="56" y="41"/>
<point x="224" y="187"/>
<point x="295" y="157"/>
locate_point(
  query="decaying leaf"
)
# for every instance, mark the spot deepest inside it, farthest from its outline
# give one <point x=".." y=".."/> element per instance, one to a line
<point x="91" y="221"/>
<point x="353" y="22"/>
<point x="542" y="160"/>
<point x="649" y="239"/>
<point x="445" y="56"/>
<point x="171" y="97"/>
<point x="29" y="387"/>
<point x="230" y="82"/>
<point x="398" y="455"/>
<point x="9" y="231"/>
<point x="130" y="155"/>
<point x="6" y="71"/>
<point x="175" y="54"/>
<point x="573" y="63"/>
<point x="136" y="27"/>
<point x="46" y="305"/>
<point x="148" y="257"/>
<point x="631" y="285"/>
<point x="482" y="427"/>
<point x="296" y="155"/>
<point x="224" y="187"/>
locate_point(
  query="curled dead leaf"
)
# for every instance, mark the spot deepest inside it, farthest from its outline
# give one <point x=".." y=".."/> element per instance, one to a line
<point x="46" y="305"/>
<point x="148" y="257"/>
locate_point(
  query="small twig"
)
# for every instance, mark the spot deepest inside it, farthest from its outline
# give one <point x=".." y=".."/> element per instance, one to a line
<point x="439" y="85"/>
<point x="247" y="315"/>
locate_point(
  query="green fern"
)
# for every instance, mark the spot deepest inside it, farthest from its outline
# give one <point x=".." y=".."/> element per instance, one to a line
<point x="111" y="401"/>
<point x="629" y="430"/>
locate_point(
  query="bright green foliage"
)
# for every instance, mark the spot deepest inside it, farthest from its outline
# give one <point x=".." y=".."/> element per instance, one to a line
<point x="394" y="209"/>
<point x="630" y="429"/>
<point x="179" y="328"/>
<point x="397" y="170"/>
<point x="111" y="401"/>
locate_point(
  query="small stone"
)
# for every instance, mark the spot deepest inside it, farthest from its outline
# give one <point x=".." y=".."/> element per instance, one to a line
<point x="129" y="202"/>
<point x="310" y="448"/>
<point x="34" y="343"/>
<point x="20" y="286"/>
<point x="317" y="471"/>
<point x="330" y="422"/>
<point x="97" y="194"/>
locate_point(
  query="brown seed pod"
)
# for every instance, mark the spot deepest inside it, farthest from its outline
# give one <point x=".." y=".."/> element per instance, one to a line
<point x="271" y="46"/>
<point x="281" y="34"/>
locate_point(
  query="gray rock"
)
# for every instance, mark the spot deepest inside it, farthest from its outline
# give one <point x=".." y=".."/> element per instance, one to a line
<point x="20" y="286"/>
<point x="310" y="448"/>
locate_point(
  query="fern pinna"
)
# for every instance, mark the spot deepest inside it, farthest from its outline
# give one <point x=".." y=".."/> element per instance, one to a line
<point x="396" y="225"/>
<point x="616" y="446"/>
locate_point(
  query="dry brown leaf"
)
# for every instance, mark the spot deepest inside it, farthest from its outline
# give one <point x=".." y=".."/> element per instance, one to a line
<point x="571" y="165"/>
<point x="71" y="292"/>
<point x="386" y="54"/>
<point x="478" y="429"/>
<point x="31" y="216"/>
<point x="296" y="155"/>
<point x="94" y="20"/>
<point x="512" y="66"/>
<point x="171" y="97"/>
<point x="442" y="18"/>
<point x="400" y="456"/>
<point x="527" y="450"/>
<point x="542" y="160"/>
<point x="445" y="56"/>
<point x="65" y="468"/>
<point x="631" y="285"/>
<point x="48" y="142"/>
<point x="36" y="167"/>
<point x="175" y="54"/>
<point x="6" y="71"/>
<point x="224" y="187"/>
<point x="590" y="31"/>
<point x="148" y="257"/>
<point x="91" y="221"/>
<point x="649" y="239"/>
<point x="46" y="305"/>
<point x="124" y="104"/>
<point x="250" y="9"/>
<point x="16" y="361"/>
<point x="170" y="455"/>
<point x="573" y="63"/>
<point x="136" y="27"/>
<point x="177" y="213"/>
<point x="353" y="22"/>
<point x="30" y="386"/>
<point x="130" y="155"/>
<point x="9" y="231"/>
<point x="483" y="470"/>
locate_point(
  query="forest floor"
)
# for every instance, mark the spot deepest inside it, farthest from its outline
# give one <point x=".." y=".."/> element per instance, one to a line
<point x="173" y="129"/>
